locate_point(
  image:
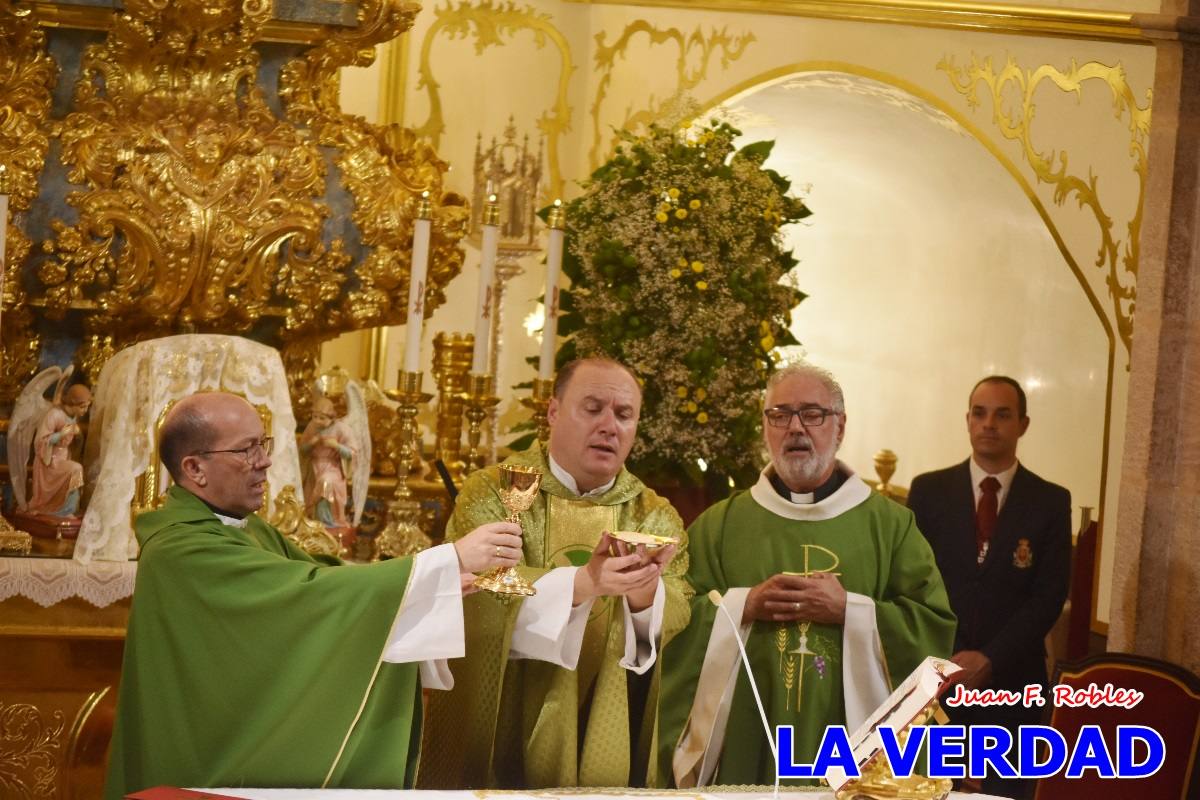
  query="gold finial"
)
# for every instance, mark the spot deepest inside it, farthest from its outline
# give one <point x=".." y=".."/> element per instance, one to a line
<point x="491" y="211"/>
<point x="424" y="206"/>
<point x="557" y="218"/>
<point x="885" y="468"/>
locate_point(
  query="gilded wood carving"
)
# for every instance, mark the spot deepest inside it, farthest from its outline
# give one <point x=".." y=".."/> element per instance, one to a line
<point x="489" y="23"/>
<point x="383" y="168"/>
<point x="696" y="51"/>
<point x="1118" y="257"/>
<point x="199" y="204"/>
<point x="27" y="77"/>
<point x="30" y="750"/>
<point x="193" y="193"/>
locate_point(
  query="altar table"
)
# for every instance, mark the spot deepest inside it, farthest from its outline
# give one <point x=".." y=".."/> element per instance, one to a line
<point x="740" y="793"/>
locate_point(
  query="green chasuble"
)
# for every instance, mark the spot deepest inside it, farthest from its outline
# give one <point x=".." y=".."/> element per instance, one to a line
<point x="249" y="663"/>
<point x="531" y="724"/>
<point x="809" y="675"/>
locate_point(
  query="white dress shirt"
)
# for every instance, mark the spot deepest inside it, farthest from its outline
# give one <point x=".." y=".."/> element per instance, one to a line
<point x="978" y="473"/>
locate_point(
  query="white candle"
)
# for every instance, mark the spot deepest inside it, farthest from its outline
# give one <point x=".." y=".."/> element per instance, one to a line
<point x="487" y="275"/>
<point x="416" y="285"/>
<point x="553" y="267"/>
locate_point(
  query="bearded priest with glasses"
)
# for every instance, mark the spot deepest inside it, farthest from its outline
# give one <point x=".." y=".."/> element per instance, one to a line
<point x="831" y="588"/>
<point x="249" y="662"/>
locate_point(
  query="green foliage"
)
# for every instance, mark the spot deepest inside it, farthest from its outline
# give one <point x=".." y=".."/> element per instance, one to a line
<point x="677" y="268"/>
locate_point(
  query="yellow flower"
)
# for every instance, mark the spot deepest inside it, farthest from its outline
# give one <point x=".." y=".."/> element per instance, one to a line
<point x="697" y="266"/>
<point x="676" y="273"/>
<point x="702" y="285"/>
<point x="692" y="408"/>
<point x="764" y="327"/>
<point x="681" y="213"/>
<point x="682" y="261"/>
<point x="693" y="205"/>
<point x="702" y="418"/>
<point x="681" y="392"/>
<point x="661" y="217"/>
<point x="700" y="394"/>
<point x="768" y="343"/>
<point x="673" y="193"/>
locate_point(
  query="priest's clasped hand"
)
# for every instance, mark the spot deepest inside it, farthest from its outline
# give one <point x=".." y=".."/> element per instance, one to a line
<point x="794" y="598"/>
<point x="495" y="544"/>
<point x="615" y="568"/>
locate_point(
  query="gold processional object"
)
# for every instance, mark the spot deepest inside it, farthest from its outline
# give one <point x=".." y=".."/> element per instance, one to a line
<point x="519" y="487"/>
<point x="876" y="780"/>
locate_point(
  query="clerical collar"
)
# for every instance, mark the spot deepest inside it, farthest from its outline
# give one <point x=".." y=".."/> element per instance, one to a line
<point x="226" y="517"/>
<point x="568" y="480"/>
<point x="823" y="491"/>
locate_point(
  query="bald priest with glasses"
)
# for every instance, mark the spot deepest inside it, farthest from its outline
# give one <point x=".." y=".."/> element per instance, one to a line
<point x="831" y="588"/>
<point x="250" y="663"/>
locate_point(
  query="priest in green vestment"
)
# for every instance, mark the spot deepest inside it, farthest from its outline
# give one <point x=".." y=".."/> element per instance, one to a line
<point x="559" y="689"/>
<point x="250" y="663"/>
<point x="829" y="586"/>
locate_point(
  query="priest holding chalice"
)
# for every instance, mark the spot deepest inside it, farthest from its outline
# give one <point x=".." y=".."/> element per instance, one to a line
<point x="559" y="685"/>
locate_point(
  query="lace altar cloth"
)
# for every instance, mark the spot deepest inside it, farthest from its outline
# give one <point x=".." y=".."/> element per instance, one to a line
<point x="47" y="581"/>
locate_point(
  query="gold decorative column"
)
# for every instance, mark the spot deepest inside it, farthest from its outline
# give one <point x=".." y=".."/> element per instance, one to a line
<point x="451" y="363"/>
<point x="402" y="535"/>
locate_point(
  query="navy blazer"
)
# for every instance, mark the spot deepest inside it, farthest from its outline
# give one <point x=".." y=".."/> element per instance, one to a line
<point x="1007" y="605"/>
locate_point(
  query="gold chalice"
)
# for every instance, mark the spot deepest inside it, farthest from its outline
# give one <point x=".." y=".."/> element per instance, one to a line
<point x="518" y="489"/>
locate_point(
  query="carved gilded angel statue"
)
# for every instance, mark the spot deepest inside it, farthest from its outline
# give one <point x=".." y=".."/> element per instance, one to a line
<point x="49" y="428"/>
<point x="338" y="453"/>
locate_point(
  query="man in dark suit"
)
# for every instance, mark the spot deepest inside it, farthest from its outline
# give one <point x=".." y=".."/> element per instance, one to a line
<point x="1002" y="539"/>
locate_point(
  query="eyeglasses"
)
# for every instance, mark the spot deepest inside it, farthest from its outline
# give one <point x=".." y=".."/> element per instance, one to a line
<point x="810" y="416"/>
<point x="251" y="453"/>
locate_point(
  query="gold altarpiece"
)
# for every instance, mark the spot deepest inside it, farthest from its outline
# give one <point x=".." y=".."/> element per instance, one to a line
<point x="195" y="173"/>
<point x="182" y="167"/>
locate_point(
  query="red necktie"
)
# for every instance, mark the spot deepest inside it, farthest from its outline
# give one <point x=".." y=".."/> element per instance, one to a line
<point x="985" y="515"/>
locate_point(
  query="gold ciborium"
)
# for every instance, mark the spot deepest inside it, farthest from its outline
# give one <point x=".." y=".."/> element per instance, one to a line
<point x="518" y="489"/>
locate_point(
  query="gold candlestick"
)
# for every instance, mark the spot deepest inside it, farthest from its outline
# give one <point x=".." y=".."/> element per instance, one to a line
<point x="451" y="363"/>
<point x="402" y="534"/>
<point x="539" y="403"/>
<point x="518" y="489"/>
<point x="480" y="399"/>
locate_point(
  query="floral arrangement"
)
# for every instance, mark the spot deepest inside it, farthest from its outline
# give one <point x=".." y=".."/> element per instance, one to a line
<point x="677" y="269"/>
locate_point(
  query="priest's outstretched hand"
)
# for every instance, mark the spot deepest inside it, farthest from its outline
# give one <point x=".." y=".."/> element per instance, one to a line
<point x="494" y="544"/>
<point x="819" y="597"/>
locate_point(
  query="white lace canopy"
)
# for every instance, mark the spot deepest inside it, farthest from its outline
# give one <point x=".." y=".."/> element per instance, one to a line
<point x="134" y="387"/>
